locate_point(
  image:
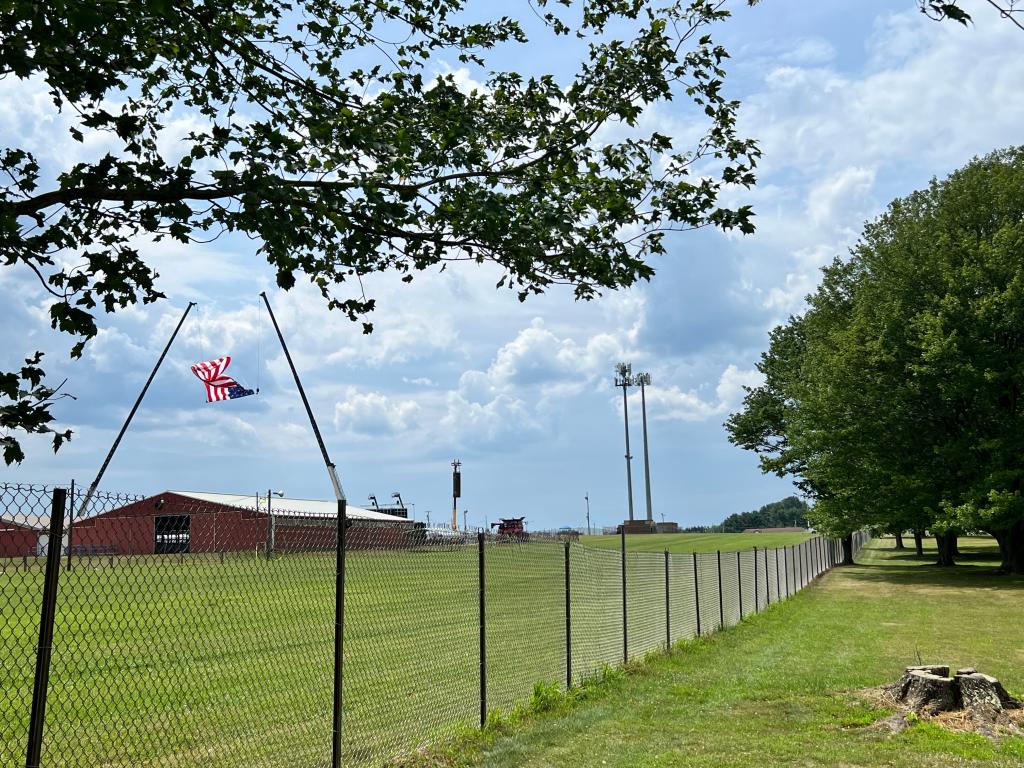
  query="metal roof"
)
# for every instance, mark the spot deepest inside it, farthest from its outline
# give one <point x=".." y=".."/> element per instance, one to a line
<point x="286" y="507"/>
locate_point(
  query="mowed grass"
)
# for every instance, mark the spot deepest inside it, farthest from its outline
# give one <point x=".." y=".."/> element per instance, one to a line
<point x="697" y="542"/>
<point x="194" y="659"/>
<point x="780" y="688"/>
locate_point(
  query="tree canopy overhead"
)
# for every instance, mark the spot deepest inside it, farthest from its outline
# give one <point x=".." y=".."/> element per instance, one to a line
<point x="896" y="399"/>
<point x="327" y="133"/>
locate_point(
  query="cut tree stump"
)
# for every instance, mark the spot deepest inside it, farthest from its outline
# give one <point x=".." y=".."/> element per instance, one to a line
<point x="930" y="690"/>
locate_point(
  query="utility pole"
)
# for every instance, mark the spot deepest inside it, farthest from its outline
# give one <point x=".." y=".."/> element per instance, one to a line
<point x="644" y="379"/>
<point x="624" y="379"/>
<point x="456" y="492"/>
<point x="587" y="497"/>
<point x="465" y="521"/>
<point x="273" y="522"/>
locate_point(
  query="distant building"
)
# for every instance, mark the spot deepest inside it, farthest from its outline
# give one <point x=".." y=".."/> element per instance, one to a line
<point x="192" y="521"/>
<point x="20" y="539"/>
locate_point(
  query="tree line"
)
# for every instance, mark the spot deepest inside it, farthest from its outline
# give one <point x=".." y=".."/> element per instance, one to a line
<point x="790" y="512"/>
<point x="896" y="400"/>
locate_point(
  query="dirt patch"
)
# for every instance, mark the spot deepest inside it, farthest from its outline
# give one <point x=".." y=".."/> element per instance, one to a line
<point x="1009" y="723"/>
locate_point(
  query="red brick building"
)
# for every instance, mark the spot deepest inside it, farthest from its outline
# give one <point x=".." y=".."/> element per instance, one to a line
<point x="188" y="521"/>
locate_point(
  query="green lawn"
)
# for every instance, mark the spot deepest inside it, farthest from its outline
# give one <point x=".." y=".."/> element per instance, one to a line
<point x="169" y="660"/>
<point x="779" y="689"/>
<point x="696" y="542"/>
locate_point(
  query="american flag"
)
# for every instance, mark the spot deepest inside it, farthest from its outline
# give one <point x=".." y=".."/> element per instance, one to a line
<point x="219" y="386"/>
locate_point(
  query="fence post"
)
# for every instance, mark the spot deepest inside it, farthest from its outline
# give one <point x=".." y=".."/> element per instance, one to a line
<point x="37" y="716"/>
<point x="757" y="597"/>
<point x="778" y="578"/>
<point x="696" y="592"/>
<point x="625" y="630"/>
<point x="483" y="629"/>
<point x="668" y="620"/>
<point x="785" y="567"/>
<point x="71" y="519"/>
<point x="798" y="567"/>
<point x="739" y="582"/>
<point x="721" y="601"/>
<point x="568" y="623"/>
<point x="339" y="630"/>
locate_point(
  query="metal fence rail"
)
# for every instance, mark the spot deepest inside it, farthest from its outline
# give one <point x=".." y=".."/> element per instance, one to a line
<point x="192" y="633"/>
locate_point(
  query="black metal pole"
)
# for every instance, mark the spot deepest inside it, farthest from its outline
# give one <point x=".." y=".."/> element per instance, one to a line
<point x="71" y="519"/>
<point x="721" y="600"/>
<point x="668" y="609"/>
<point x="37" y="715"/>
<point x="331" y="469"/>
<point x="625" y="630"/>
<point x="739" y="582"/>
<point x="803" y="565"/>
<point x="757" y="587"/>
<point x="778" y="577"/>
<point x="131" y="414"/>
<point x="339" y="630"/>
<point x="696" y="592"/>
<point x="483" y="629"/>
<point x="568" y="623"/>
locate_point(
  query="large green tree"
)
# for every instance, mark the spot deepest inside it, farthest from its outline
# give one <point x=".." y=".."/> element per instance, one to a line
<point x="896" y="398"/>
<point x="329" y="134"/>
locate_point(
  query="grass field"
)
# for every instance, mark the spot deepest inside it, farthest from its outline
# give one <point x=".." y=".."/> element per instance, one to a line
<point x="193" y="660"/>
<point x="780" y="688"/>
<point x="697" y="542"/>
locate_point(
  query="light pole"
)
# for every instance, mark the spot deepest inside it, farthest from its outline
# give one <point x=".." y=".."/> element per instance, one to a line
<point x="373" y="498"/>
<point x="401" y="504"/>
<point x="465" y="520"/>
<point x="456" y="493"/>
<point x="644" y="380"/>
<point x="270" y="515"/>
<point x="428" y="518"/>
<point x="624" y="379"/>
<point x="587" y="497"/>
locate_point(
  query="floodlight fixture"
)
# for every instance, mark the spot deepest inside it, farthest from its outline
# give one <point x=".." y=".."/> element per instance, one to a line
<point x="624" y="375"/>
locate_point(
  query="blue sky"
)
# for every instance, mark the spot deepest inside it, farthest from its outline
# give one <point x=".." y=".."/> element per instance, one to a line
<point x="854" y="102"/>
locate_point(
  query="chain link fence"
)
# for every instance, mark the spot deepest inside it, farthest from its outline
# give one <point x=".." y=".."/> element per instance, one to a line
<point x="174" y="630"/>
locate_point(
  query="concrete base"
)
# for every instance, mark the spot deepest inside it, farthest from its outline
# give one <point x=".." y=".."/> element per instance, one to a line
<point x="632" y="527"/>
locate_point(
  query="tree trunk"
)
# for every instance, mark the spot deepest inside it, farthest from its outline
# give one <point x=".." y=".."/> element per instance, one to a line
<point x="919" y="541"/>
<point x="899" y="540"/>
<point x="848" y="549"/>
<point x="945" y="543"/>
<point x="1011" y="547"/>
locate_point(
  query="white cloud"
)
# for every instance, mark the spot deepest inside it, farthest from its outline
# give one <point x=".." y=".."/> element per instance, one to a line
<point x="674" y="404"/>
<point x="374" y="413"/>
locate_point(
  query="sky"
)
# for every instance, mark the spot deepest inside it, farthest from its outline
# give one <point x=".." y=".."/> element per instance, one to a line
<point x="854" y="103"/>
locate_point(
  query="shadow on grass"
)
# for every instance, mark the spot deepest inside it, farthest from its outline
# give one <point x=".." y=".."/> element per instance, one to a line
<point x="978" y="568"/>
<point x="978" y="554"/>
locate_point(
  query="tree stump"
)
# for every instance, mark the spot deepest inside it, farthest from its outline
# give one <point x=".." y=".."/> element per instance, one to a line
<point x="930" y="690"/>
